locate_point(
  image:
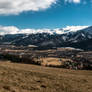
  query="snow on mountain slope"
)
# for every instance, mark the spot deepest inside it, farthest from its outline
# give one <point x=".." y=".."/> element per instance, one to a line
<point x="14" y="30"/>
<point x="74" y="28"/>
<point x="66" y="37"/>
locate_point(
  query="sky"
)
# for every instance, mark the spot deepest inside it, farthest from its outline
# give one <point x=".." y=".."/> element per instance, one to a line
<point x="18" y="15"/>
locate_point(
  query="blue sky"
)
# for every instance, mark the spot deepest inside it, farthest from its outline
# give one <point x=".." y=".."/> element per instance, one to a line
<point x="55" y="15"/>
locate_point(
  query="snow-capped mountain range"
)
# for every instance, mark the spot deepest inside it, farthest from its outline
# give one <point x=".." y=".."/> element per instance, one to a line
<point x="79" y="37"/>
<point x="4" y="30"/>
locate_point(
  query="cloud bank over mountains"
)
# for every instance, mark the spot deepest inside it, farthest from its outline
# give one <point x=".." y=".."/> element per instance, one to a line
<point x="14" y="30"/>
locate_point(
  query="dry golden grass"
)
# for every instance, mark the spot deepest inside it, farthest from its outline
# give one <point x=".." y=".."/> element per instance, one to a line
<point x="50" y="62"/>
<point x="31" y="78"/>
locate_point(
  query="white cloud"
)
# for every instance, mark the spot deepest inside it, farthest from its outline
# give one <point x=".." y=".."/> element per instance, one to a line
<point x="8" y="7"/>
<point x="73" y="1"/>
<point x="8" y="30"/>
<point x="14" y="30"/>
<point x="76" y="1"/>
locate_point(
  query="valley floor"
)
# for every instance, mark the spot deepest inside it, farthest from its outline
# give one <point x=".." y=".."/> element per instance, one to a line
<point x="31" y="78"/>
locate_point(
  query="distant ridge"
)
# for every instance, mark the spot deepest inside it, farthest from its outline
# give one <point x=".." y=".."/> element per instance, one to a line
<point x="78" y="38"/>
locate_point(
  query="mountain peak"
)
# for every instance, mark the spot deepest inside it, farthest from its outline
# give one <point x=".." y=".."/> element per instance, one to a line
<point x="14" y="30"/>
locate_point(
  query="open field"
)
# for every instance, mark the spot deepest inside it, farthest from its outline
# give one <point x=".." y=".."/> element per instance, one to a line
<point x="55" y="62"/>
<point x="31" y="78"/>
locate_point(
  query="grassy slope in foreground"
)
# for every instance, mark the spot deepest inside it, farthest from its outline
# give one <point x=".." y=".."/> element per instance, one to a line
<point x="30" y="78"/>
